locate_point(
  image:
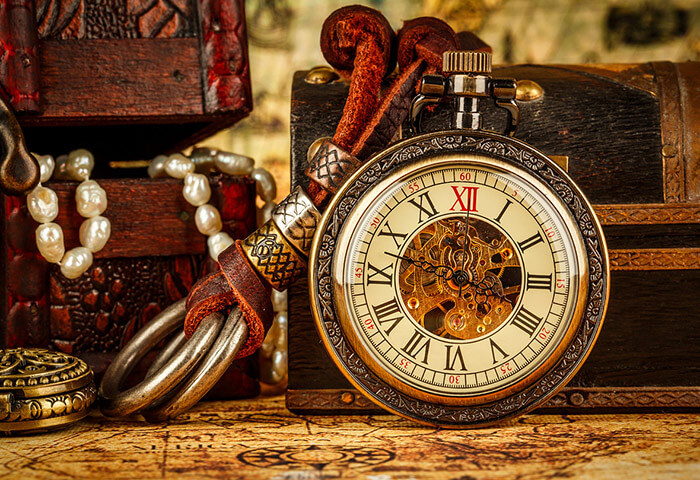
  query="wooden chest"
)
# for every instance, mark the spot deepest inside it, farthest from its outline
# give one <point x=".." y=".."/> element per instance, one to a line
<point x="127" y="81"/>
<point x="632" y="137"/>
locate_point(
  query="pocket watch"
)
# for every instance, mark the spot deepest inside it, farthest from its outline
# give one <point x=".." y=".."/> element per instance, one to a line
<point x="459" y="278"/>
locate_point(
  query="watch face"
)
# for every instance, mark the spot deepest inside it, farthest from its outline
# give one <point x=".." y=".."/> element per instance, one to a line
<point x="457" y="279"/>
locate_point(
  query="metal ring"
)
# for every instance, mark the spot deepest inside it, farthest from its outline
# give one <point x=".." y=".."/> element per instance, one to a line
<point x="232" y="337"/>
<point x="116" y="403"/>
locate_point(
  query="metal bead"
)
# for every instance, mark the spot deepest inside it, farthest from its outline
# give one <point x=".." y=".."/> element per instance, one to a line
<point x="49" y="241"/>
<point x="46" y="165"/>
<point x="42" y="204"/>
<point x="76" y="262"/>
<point x="265" y="213"/>
<point x="79" y="164"/>
<point x="218" y="243"/>
<point x="279" y="301"/>
<point x="208" y="220"/>
<point x="264" y="184"/>
<point x="203" y="159"/>
<point x="178" y="165"/>
<point x="297" y="218"/>
<point x="196" y="189"/>
<point x="234" y="164"/>
<point x="273" y="257"/>
<point x="330" y="165"/>
<point x="156" y="169"/>
<point x="90" y="199"/>
<point x="94" y="233"/>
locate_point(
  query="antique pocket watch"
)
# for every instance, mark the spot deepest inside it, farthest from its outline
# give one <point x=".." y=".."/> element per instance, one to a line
<point x="459" y="277"/>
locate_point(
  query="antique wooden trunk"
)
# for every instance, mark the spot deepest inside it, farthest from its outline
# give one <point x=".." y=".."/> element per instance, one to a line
<point x="632" y="137"/>
<point x="127" y="81"/>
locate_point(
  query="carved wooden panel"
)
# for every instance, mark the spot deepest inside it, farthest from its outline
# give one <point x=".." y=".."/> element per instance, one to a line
<point x="93" y="19"/>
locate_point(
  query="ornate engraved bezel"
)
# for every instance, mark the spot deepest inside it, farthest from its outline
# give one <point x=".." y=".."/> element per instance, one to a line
<point x="415" y="150"/>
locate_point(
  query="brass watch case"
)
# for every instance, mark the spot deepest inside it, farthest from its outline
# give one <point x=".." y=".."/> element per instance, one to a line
<point x="359" y="367"/>
<point x="42" y="390"/>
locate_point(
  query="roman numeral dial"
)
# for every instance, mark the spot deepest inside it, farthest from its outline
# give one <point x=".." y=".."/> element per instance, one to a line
<point x="457" y="280"/>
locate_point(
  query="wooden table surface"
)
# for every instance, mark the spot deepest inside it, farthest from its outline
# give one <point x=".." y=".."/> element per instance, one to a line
<point x="259" y="438"/>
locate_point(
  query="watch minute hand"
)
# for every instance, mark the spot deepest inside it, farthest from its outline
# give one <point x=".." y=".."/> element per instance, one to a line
<point x="422" y="264"/>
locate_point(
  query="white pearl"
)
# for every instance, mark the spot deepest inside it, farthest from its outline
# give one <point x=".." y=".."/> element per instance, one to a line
<point x="94" y="233"/>
<point x="49" y="241"/>
<point x="203" y="159"/>
<point x="196" y="190"/>
<point x="265" y="184"/>
<point x="265" y="213"/>
<point x="60" y="170"/>
<point x="76" y="262"/>
<point x="279" y="301"/>
<point x="80" y="164"/>
<point x="178" y="165"/>
<point x="234" y="164"/>
<point x="279" y="364"/>
<point x="218" y="243"/>
<point x="156" y="169"/>
<point x="280" y="338"/>
<point x="46" y="166"/>
<point x="42" y="203"/>
<point x="208" y="220"/>
<point x="90" y="199"/>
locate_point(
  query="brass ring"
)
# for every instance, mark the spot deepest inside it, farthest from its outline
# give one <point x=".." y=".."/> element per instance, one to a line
<point x="116" y="403"/>
<point x="232" y="337"/>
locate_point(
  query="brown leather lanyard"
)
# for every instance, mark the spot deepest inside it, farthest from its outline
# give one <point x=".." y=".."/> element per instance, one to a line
<point x="359" y="43"/>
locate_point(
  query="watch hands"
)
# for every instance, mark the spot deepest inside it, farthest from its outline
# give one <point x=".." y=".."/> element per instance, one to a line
<point x="428" y="267"/>
<point x="464" y="248"/>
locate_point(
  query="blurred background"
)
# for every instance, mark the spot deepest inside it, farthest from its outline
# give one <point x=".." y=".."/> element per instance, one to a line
<point x="283" y="36"/>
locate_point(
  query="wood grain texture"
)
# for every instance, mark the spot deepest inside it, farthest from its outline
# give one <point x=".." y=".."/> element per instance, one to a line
<point x="95" y="79"/>
<point x="19" y="68"/>
<point x="260" y="439"/>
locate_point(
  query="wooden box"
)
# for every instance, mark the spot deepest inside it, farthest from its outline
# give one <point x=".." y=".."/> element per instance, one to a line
<point x="128" y="81"/>
<point x="632" y="137"/>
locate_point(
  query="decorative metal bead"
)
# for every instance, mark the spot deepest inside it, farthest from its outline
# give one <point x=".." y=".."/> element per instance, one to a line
<point x="264" y="184"/>
<point x="297" y="218"/>
<point x="273" y="256"/>
<point x="330" y="165"/>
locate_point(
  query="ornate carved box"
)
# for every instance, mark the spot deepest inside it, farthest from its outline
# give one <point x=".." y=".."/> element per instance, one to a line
<point x="127" y="81"/>
<point x="629" y="135"/>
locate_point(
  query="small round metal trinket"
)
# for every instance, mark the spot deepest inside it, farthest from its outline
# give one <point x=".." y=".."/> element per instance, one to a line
<point x="42" y="390"/>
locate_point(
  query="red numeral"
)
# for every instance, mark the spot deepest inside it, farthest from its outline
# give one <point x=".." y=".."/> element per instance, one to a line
<point x="465" y="176"/>
<point x="375" y="222"/>
<point x="506" y="368"/>
<point x="404" y="363"/>
<point x="414" y="187"/>
<point x="358" y="272"/>
<point x="543" y="334"/>
<point x="561" y="283"/>
<point x="515" y="193"/>
<point x="369" y="323"/>
<point x="453" y="379"/>
<point x="549" y="231"/>
<point x="471" y="199"/>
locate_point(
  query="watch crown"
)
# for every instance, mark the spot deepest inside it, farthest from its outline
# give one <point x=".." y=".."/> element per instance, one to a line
<point x="466" y="62"/>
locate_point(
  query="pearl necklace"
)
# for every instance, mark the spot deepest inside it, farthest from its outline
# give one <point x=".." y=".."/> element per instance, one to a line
<point x="194" y="172"/>
<point x="91" y="202"/>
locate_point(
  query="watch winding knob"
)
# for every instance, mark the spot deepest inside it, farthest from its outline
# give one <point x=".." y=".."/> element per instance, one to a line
<point x="466" y="62"/>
